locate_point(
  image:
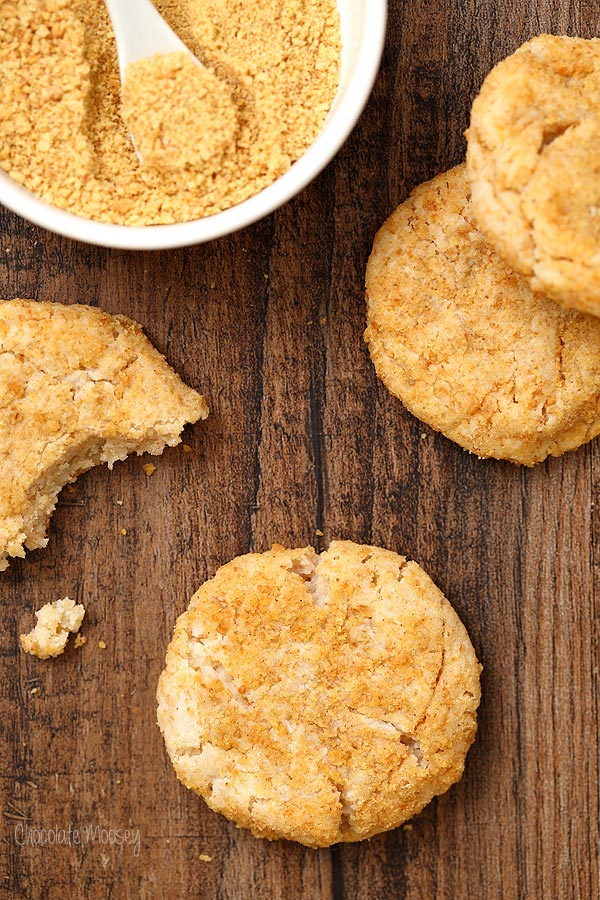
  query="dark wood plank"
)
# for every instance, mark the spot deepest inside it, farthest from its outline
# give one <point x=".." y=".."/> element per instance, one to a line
<point x="302" y="439"/>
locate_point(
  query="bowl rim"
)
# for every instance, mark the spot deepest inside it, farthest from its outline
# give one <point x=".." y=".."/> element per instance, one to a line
<point x="182" y="234"/>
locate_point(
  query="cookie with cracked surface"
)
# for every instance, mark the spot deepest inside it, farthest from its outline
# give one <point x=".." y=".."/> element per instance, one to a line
<point x="464" y="342"/>
<point x="78" y="387"/>
<point x="534" y="167"/>
<point x="319" y="698"/>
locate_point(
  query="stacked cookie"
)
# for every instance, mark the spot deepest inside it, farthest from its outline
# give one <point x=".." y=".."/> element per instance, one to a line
<point x="483" y="288"/>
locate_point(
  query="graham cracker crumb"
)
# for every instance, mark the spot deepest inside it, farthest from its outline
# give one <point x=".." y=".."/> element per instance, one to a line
<point x="181" y="115"/>
<point x="273" y="70"/>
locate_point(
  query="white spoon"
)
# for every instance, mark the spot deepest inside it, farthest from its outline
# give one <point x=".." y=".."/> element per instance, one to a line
<point x="141" y="32"/>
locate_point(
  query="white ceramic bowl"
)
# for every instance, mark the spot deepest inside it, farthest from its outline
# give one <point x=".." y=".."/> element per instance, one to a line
<point x="363" y="32"/>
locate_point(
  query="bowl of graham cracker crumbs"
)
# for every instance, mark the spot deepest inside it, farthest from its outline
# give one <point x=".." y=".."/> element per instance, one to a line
<point x="283" y="84"/>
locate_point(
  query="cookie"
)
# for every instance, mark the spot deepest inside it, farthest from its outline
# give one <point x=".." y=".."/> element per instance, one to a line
<point x="465" y="343"/>
<point x="319" y="698"/>
<point x="78" y="387"/>
<point x="533" y="166"/>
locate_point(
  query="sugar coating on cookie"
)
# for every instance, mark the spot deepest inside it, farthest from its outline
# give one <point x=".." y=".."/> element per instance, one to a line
<point x="79" y="387"/>
<point x="465" y="343"/>
<point x="534" y="167"/>
<point x="319" y="698"/>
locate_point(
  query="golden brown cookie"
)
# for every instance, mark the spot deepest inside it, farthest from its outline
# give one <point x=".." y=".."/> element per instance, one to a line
<point x="78" y="387"/>
<point x="464" y="342"/>
<point x="319" y="698"/>
<point x="534" y="166"/>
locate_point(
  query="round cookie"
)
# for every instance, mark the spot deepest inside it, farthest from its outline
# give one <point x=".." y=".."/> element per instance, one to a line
<point x="534" y="166"/>
<point x="464" y="342"/>
<point x="319" y="698"/>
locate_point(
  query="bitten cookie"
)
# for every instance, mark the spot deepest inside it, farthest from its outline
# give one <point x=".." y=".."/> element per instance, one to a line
<point x="319" y="698"/>
<point x="78" y="387"/>
<point x="534" y="166"/>
<point x="464" y="342"/>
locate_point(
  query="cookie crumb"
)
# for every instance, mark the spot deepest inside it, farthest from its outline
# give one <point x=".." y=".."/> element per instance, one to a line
<point x="80" y="640"/>
<point x="55" y="622"/>
<point x="124" y="532"/>
<point x="318" y="532"/>
<point x="119" y="502"/>
<point x="204" y="857"/>
<point x="149" y="469"/>
<point x="34" y="690"/>
<point x="102" y="645"/>
<point x="187" y="448"/>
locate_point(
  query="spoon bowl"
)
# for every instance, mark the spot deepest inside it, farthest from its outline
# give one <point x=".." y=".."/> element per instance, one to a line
<point x="141" y="33"/>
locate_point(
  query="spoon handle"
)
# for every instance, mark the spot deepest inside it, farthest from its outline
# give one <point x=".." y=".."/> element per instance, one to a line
<point x="140" y="31"/>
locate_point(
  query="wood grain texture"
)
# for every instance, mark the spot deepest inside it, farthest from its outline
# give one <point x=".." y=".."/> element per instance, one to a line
<point x="303" y="439"/>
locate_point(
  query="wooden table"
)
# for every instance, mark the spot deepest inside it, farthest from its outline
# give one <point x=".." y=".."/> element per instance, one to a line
<point x="303" y="439"/>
